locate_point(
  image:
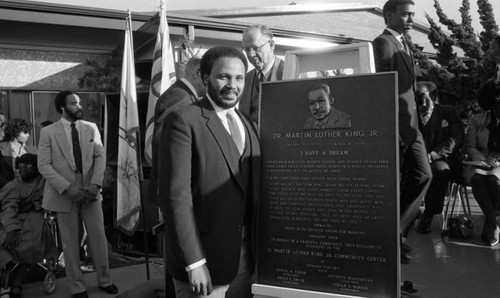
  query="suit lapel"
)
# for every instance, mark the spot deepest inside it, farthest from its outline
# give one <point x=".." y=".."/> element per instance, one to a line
<point x="85" y="139"/>
<point x="408" y="59"/>
<point x="62" y="141"/>
<point x="222" y="138"/>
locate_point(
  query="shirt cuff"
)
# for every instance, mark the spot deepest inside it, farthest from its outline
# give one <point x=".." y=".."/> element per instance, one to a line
<point x="196" y="265"/>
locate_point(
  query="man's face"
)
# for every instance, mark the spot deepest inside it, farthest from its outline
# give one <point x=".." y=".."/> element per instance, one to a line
<point x="319" y="103"/>
<point x="259" y="48"/>
<point x="402" y="19"/>
<point x="424" y="100"/>
<point x="494" y="51"/>
<point x="226" y="81"/>
<point x="27" y="172"/>
<point x="73" y="108"/>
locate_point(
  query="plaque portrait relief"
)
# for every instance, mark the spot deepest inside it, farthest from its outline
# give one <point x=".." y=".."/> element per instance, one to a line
<point x="324" y="114"/>
<point x="328" y="207"/>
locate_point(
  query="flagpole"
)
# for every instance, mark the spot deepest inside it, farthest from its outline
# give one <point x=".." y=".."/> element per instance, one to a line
<point x="141" y="179"/>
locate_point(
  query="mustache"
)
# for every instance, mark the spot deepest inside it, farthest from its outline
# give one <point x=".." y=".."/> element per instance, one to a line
<point x="227" y="90"/>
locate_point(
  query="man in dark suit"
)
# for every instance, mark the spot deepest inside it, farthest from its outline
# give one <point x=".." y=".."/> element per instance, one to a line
<point x="72" y="161"/>
<point x="210" y="160"/>
<point x="392" y="54"/>
<point x="184" y="91"/>
<point x="258" y="44"/>
<point x="444" y="137"/>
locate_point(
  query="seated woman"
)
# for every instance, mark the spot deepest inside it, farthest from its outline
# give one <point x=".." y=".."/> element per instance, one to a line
<point x="14" y="145"/>
<point x="483" y="147"/>
<point x="25" y="236"/>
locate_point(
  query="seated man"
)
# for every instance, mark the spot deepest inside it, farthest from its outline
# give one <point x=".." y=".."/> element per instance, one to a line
<point x="444" y="136"/>
<point x="25" y="237"/>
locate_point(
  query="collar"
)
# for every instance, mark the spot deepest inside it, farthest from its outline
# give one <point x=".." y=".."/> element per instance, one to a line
<point x="190" y="86"/>
<point x="220" y="111"/>
<point x="267" y="70"/>
<point x="68" y="124"/>
<point x="396" y="34"/>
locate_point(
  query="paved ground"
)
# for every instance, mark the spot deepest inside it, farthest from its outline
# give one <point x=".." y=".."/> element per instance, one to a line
<point x="125" y="278"/>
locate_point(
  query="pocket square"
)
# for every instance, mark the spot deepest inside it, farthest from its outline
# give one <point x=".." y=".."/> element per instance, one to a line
<point x="444" y="123"/>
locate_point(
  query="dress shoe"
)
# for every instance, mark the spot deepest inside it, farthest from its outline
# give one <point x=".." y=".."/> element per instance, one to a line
<point x="424" y="226"/>
<point x="111" y="289"/>
<point x="492" y="238"/>
<point x="81" y="295"/>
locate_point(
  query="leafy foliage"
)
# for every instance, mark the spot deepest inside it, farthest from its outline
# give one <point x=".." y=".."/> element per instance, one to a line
<point x="459" y="78"/>
<point x="101" y="77"/>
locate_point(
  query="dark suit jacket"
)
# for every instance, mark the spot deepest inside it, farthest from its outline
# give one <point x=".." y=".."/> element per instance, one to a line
<point x="203" y="192"/>
<point x="444" y="132"/>
<point x="391" y="56"/>
<point x="175" y="97"/>
<point x="249" y="104"/>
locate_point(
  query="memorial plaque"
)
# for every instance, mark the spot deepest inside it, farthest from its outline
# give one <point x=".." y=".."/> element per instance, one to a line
<point x="328" y="218"/>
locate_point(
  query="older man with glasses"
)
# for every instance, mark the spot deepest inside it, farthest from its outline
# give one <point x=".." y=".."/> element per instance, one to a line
<point x="258" y="45"/>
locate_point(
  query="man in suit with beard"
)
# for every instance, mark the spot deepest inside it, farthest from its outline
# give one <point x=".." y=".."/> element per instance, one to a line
<point x="258" y="44"/>
<point x="210" y="160"/>
<point x="72" y="161"/>
<point x="392" y="53"/>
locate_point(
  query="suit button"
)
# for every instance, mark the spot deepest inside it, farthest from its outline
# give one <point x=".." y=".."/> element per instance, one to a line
<point x="240" y="228"/>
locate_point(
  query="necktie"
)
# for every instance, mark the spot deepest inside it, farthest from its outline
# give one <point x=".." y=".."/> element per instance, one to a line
<point x="77" y="151"/>
<point x="405" y="45"/>
<point x="234" y="131"/>
<point x="320" y="125"/>
<point x="260" y="78"/>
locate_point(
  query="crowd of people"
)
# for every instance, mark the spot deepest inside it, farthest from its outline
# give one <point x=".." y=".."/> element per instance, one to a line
<point x="206" y="165"/>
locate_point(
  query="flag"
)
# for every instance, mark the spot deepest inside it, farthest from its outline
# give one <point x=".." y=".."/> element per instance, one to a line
<point x="162" y="76"/>
<point x="128" y="202"/>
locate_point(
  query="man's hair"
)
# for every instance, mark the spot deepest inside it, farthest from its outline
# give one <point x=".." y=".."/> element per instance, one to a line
<point x="264" y="30"/>
<point x="191" y="66"/>
<point x="14" y="127"/>
<point x="28" y="159"/>
<point x="60" y="101"/>
<point x="431" y="87"/>
<point x="393" y="5"/>
<point x="209" y="58"/>
<point x="323" y="87"/>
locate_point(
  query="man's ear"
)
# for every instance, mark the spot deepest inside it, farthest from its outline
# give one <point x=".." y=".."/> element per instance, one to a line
<point x="271" y="44"/>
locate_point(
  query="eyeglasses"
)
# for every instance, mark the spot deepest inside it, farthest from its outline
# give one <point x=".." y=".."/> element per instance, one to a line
<point x="256" y="50"/>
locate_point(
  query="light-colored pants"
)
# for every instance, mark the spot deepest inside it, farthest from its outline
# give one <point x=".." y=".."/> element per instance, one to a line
<point x="69" y="224"/>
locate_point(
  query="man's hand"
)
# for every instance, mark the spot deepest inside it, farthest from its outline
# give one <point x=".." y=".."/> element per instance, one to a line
<point x="199" y="280"/>
<point x="12" y="240"/>
<point x="79" y="195"/>
<point x="91" y="192"/>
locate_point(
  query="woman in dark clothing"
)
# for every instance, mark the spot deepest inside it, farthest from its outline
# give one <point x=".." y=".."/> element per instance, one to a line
<point x="483" y="146"/>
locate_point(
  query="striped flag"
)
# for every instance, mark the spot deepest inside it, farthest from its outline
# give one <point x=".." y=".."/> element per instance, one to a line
<point x="162" y="76"/>
<point x="128" y="202"/>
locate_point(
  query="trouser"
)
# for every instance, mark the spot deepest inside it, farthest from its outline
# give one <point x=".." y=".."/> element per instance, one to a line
<point x="417" y="176"/>
<point x="68" y="223"/>
<point x="442" y="172"/>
